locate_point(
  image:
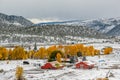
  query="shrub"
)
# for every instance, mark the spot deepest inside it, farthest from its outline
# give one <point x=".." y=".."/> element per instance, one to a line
<point x="19" y="73"/>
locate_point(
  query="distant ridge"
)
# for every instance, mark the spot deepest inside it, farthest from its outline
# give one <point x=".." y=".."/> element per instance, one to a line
<point x="15" y="20"/>
<point x="108" y="26"/>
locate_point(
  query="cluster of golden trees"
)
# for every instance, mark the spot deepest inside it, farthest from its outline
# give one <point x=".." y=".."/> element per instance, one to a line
<point x="71" y="50"/>
<point x="74" y="49"/>
<point x="107" y="50"/>
<point x="17" y="53"/>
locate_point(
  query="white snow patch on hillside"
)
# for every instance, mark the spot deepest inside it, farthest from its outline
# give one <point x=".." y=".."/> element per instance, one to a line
<point x="108" y="28"/>
<point x="35" y="20"/>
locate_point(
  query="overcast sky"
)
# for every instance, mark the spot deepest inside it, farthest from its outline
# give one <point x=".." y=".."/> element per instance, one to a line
<point x="62" y="9"/>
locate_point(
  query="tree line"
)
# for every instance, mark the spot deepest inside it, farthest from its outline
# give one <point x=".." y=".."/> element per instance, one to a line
<point x="19" y="53"/>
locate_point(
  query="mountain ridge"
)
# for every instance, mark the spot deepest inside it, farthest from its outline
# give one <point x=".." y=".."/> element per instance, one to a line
<point x="15" y="20"/>
<point x="105" y="26"/>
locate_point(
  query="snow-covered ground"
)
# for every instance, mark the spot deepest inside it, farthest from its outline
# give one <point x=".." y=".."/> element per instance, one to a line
<point x="104" y="64"/>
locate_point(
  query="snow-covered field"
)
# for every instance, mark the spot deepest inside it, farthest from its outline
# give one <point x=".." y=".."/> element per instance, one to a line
<point x="104" y="64"/>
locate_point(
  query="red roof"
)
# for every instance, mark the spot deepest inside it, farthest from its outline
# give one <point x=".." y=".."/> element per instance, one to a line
<point x="85" y="65"/>
<point x="86" y="62"/>
<point x="52" y="65"/>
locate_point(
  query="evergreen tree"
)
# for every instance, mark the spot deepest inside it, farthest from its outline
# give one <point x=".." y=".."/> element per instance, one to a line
<point x="35" y="47"/>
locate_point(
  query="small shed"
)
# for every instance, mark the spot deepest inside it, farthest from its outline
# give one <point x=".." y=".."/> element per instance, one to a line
<point x="85" y="65"/>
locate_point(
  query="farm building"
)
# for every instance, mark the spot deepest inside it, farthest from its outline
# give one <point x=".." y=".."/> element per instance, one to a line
<point x="52" y="65"/>
<point x="85" y="65"/>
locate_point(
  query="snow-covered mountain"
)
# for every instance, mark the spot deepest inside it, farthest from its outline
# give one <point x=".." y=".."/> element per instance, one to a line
<point x="115" y="31"/>
<point x="13" y="20"/>
<point x="11" y="25"/>
<point x="107" y="26"/>
<point x="102" y="25"/>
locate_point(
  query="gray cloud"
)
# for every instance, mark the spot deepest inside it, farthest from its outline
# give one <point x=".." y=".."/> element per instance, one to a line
<point x="62" y="9"/>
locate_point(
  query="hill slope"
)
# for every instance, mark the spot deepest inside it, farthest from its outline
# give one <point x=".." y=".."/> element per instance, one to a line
<point x="105" y="26"/>
<point x="63" y="30"/>
<point x="19" y="29"/>
<point x="14" y="20"/>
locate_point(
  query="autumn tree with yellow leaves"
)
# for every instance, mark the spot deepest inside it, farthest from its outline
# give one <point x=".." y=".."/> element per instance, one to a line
<point x="107" y="50"/>
<point x="31" y="54"/>
<point x="18" y="53"/>
<point x="72" y="50"/>
<point x="19" y="73"/>
<point x="51" y="49"/>
<point x="41" y="53"/>
<point x="80" y="47"/>
<point x="3" y="53"/>
<point x="91" y="50"/>
<point x="58" y="56"/>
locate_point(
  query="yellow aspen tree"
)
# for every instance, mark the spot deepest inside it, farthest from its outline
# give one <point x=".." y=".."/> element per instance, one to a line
<point x="19" y="73"/>
<point x="75" y="50"/>
<point x="106" y="51"/>
<point x="95" y="51"/>
<point x="4" y="53"/>
<point x="110" y="50"/>
<point x="18" y="53"/>
<point x="58" y="56"/>
<point x="51" y="49"/>
<point x="91" y="48"/>
<point x="88" y="51"/>
<point x="35" y="56"/>
<point x="84" y="51"/>
<point x="31" y="53"/>
<point x="80" y="47"/>
<point x="42" y="53"/>
<point x="9" y="53"/>
<point x="72" y="50"/>
<point x="0" y="56"/>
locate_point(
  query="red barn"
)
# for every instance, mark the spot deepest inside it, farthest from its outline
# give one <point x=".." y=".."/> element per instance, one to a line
<point x="52" y="65"/>
<point x="85" y="65"/>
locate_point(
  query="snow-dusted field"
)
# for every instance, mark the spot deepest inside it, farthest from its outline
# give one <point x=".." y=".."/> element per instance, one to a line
<point x="109" y="62"/>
